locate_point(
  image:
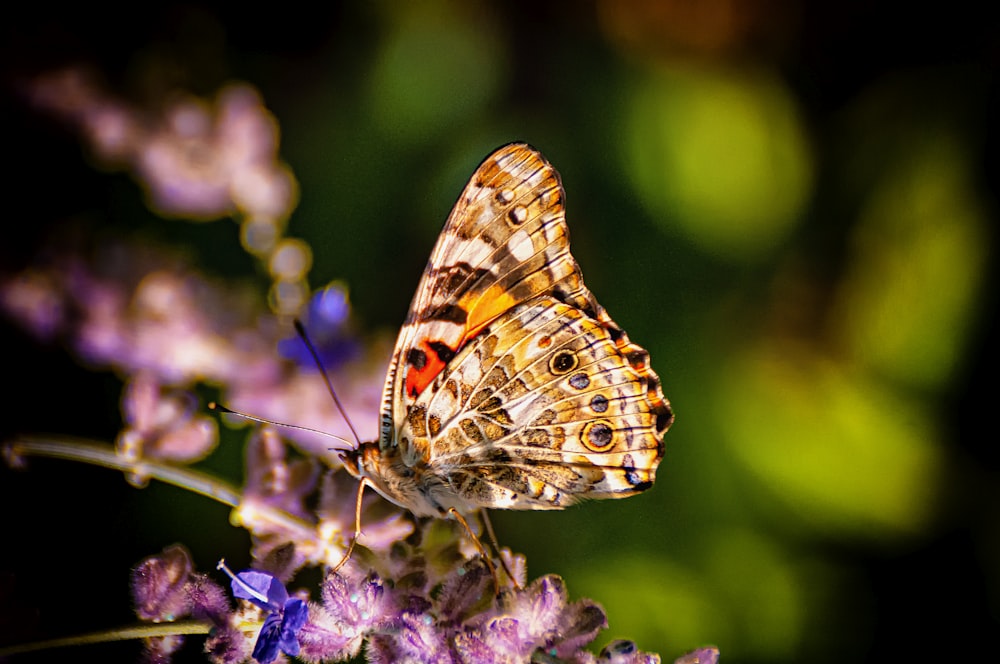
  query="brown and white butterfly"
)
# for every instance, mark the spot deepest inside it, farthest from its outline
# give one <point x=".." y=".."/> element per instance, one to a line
<point x="510" y="387"/>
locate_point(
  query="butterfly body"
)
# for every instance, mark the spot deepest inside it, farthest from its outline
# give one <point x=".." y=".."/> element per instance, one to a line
<point x="510" y="387"/>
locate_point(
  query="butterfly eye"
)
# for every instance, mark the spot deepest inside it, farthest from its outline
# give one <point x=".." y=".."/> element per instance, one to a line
<point x="563" y="362"/>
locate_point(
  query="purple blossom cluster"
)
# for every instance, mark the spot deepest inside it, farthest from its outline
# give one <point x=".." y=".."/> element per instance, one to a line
<point x="424" y="612"/>
<point x="196" y="159"/>
<point x="416" y="589"/>
<point x="165" y="327"/>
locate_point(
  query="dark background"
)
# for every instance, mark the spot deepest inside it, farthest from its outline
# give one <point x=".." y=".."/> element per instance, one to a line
<point x="823" y="498"/>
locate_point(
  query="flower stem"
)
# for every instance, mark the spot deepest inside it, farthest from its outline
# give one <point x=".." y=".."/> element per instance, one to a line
<point x="123" y="634"/>
<point x="256" y="516"/>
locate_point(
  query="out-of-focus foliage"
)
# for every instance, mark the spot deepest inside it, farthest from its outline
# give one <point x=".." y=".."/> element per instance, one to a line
<point x="719" y="156"/>
<point x="791" y="205"/>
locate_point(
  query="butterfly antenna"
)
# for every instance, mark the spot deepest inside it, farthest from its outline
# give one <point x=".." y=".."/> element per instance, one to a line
<point x="301" y="330"/>
<point x="223" y="409"/>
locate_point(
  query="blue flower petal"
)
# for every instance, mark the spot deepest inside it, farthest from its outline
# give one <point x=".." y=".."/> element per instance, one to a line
<point x="330" y="306"/>
<point x="296" y="613"/>
<point x="327" y="324"/>
<point x="281" y="632"/>
<point x="254" y="586"/>
<point x="269" y="640"/>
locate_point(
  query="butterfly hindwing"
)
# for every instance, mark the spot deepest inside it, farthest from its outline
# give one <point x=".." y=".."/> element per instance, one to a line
<point x="537" y="411"/>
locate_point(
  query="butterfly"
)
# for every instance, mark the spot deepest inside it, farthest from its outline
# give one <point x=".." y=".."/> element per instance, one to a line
<point x="510" y="387"/>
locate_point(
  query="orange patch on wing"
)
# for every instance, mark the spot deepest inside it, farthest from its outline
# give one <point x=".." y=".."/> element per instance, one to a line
<point x="488" y="305"/>
<point x="418" y="379"/>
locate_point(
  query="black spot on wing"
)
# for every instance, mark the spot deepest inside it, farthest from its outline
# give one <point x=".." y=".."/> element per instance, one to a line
<point x="416" y="358"/>
<point x="451" y="313"/>
<point x="457" y="277"/>
<point x="442" y="350"/>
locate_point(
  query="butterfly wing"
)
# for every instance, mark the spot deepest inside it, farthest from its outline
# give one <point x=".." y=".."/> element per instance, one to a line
<point x="506" y="241"/>
<point x="537" y="411"/>
<point x="505" y="247"/>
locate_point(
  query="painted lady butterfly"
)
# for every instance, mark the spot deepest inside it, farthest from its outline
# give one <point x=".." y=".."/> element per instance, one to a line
<point x="510" y="387"/>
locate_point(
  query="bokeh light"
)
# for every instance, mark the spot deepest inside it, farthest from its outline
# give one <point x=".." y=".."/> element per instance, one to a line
<point x="720" y="157"/>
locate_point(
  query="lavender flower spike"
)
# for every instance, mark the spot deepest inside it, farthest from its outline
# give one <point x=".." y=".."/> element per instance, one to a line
<point x="285" y="616"/>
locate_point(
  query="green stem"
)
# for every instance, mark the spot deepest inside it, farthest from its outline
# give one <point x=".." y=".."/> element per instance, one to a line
<point x="258" y="518"/>
<point x="124" y="634"/>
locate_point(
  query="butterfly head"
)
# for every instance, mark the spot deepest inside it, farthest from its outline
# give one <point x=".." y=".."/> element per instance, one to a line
<point x="351" y="459"/>
<point x="363" y="461"/>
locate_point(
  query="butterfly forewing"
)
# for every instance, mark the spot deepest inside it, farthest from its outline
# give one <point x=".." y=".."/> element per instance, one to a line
<point x="505" y="242"/>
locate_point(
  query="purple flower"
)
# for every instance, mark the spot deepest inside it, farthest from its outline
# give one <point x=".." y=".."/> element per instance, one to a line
<point x="353" y="607"/>
<point x="159" y="585"/>
<point x="626" y="652"/>
<point x="197" y="158"/>
<point x="274" y="479"/>
<point x="285" y="615"/>
<point x="163" y="423"/>
<point x="166" y="588"/>
<point x="706" y="655"/>
<point x="535" y="618"/>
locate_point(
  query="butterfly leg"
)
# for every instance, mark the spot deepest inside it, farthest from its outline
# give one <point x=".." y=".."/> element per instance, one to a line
<point x="357" y="525"/>
<point x="488" y="525"/>
<point x="479" y="547"/>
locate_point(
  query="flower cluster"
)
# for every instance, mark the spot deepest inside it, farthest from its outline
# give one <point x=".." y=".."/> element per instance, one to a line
<point x="425" y="613"/>
<point x="415" y="590"/>
<point x="156" y="320"/>
<point x="196" y="159"/>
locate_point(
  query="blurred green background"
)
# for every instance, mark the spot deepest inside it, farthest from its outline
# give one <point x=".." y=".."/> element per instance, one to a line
<point x="791" y="205"/>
